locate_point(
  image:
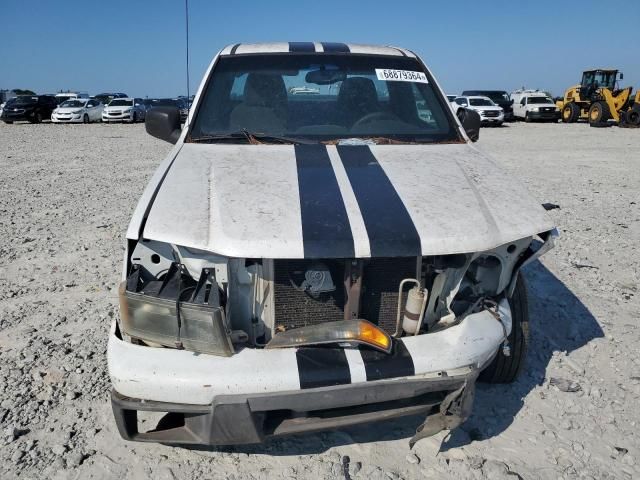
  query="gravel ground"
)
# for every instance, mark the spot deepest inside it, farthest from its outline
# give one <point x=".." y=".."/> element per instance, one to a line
<point x="66" y="194"/>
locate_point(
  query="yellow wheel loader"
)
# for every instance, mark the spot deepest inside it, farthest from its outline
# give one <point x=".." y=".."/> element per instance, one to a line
<point x="595" y="99"/>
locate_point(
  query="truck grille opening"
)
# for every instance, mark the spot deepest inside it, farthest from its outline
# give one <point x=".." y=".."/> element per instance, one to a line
<point x="381" y="277"/>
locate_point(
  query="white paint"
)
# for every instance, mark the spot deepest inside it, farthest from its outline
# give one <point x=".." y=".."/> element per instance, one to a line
<point x="356" y="365"/>
<point x="473" y="342"/>
<point x="356" y="222"/>
<point x="458" y="199"/>
<point x="232" y="200"/>
<point x="168" y="375"/>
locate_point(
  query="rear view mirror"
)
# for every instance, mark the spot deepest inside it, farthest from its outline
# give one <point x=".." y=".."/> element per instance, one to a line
<point x="163" y="123"/>
<point x="470" y="120"/>
<point x="325" y="77"/>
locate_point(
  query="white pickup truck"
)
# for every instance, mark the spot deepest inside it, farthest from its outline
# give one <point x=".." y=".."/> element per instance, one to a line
<point x="307" y="262"/>
<point x="530" y="105"/>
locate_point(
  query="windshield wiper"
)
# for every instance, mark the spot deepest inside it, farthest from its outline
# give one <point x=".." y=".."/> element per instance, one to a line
<point x="253" y="138"/>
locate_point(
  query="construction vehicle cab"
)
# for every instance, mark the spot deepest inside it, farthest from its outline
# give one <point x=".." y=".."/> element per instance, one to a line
<point x="596" y="99"/>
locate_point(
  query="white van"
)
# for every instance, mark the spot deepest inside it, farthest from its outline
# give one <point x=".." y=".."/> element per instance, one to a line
<point x="530" y="105"/>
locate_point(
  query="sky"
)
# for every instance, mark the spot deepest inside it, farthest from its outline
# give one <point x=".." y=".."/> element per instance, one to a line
<point x="138" y="46"/>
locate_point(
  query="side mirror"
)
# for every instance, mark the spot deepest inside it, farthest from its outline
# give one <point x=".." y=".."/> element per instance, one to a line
<point x="470" y="120"/>
<point x="163" y="123"/>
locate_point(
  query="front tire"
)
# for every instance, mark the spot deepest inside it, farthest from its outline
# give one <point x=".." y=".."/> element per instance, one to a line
<point x="8" y="122"/>
<point x="85" y="119"/>
<point x="503" y="369"/>
<point x="599" y="113"/>
<point x="134" y="118"/>
<point x="570" y="113"/>
<point x="527" y="118"/>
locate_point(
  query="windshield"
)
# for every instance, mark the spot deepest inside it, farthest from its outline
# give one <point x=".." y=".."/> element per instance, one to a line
<point x="118" y="102"/>
<point x="24" y="100"/>
<point x="498" y="96"/>
<point x="73" y="103"/>
<point x="322" y="98"/>
<point x="531" y="100"/>
<point x="480" y="102"/>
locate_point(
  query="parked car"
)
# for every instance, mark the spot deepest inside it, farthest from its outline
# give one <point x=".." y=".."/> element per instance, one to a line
<point x="490" y="113"/>
<point x="529" y="105"/>
<point x="78" y="110"/>
<point x="124" y="110"/>
<point x="259" y="291"/>
<point x="32" y="108"/>
<point x="499" y="97"/>
<point x="180" y="103"/>
<point x="105" y="98"/>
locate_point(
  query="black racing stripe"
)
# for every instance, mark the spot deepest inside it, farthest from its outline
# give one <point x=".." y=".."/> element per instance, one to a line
<point x="322" y="367"/>
<point x="332" y="47"/>
<point x="325" y="226"/>
<point x="380" y="365"/>
<point x="302" y="47"/>
<point x="389" y="227"/>
<point x="234" y="48"/>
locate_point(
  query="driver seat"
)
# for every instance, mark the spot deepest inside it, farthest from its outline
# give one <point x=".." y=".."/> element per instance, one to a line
<point x="357" y="97"/>
<point x="264" y="109"/>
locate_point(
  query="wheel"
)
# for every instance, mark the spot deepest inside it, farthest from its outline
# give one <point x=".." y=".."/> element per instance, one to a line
<point x="85" y="119"/>
<point x="633" y="116"/>
<point x="8" y="122"/>
<point x="570" y="113"/>
<point x="503" y="369"/>
<point x="527" y="118"/>
<point x="599" y="112"/>
<point x="135" y="117"/>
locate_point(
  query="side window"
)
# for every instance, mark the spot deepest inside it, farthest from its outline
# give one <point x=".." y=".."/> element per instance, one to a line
<point x="461" y="101"/>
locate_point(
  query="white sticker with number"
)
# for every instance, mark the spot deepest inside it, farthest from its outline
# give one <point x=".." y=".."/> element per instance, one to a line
<point x="391" y="75"/>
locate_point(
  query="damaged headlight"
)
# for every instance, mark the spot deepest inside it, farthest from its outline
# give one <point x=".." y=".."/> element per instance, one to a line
<point x="175" y="312"/>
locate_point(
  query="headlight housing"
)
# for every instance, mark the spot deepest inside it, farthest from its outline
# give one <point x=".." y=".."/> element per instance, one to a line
<point x="76" y="112"/>
<point x="174" y="312"/>
<point x="535" y="109"/>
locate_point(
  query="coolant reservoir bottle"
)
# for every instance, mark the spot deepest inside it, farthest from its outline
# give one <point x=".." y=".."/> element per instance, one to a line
<point x="413" y="309"/>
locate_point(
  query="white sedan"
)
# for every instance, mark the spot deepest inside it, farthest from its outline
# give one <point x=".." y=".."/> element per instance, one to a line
<point x="124" y="110"/>
<point x="78" y="110"/>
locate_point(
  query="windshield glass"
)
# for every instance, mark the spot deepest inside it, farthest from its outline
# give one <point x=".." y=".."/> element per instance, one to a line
<point x="480" y="102"/>
<point x="322" y="98"/>
<point x="73" y="103"/>
<point x="498" y="96"/>
<point x="118" y="102"/>
<point x="531" y="100"/>
<point x="25" y="100"/>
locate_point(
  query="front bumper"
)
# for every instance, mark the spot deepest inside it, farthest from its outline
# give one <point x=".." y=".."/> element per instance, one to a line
<point x="256" y="394"/>
<point x="66" y="118"/>
<point x="125" y="117"/>
<point x="544" y="115"/>
<point x="243" y="419"/>
<point x="16" y="117"/>
<point x="492" y="120"/>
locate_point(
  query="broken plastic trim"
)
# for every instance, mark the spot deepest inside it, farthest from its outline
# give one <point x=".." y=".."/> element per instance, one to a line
<point x="344" y="331"/>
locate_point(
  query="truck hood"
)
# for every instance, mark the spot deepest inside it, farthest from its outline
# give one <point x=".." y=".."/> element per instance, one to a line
<point x="316" y="201"/>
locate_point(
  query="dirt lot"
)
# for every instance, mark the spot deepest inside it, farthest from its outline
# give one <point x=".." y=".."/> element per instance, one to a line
<point x="66" y="194"/>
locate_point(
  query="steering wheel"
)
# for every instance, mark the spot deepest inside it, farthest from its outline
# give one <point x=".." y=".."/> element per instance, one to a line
<point x="373" y="117"/>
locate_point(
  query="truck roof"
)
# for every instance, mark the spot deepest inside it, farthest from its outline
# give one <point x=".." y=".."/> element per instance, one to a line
<point x="314" y="47"/>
